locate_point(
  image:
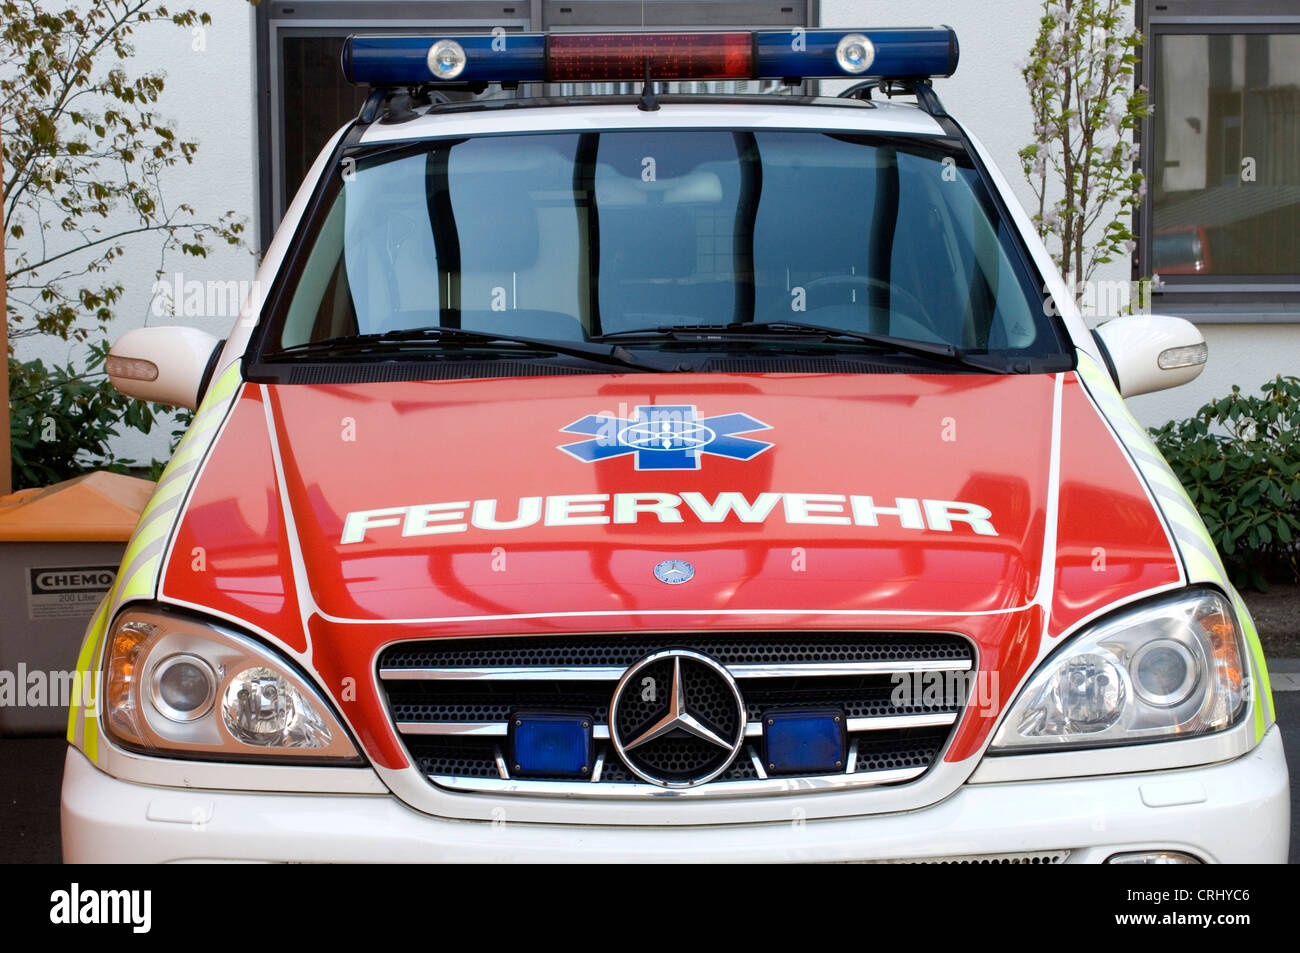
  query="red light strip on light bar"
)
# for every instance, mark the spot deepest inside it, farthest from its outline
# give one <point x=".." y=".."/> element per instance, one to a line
<point x="613" y="57"/>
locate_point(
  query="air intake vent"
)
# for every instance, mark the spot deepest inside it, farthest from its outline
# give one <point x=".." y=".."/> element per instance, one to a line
<point x="813" y="365"/>
<point x="426" y="371"/>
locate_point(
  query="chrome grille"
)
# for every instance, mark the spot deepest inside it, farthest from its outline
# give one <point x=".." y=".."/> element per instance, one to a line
<point x="451" y="700"/>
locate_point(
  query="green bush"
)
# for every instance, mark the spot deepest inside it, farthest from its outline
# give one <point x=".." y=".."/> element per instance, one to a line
<point x="1239" y="459"/>
<point x="62" y="419"/>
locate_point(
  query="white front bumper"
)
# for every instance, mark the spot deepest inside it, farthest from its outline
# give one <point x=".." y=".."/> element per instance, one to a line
<point x="1244" y="816"/>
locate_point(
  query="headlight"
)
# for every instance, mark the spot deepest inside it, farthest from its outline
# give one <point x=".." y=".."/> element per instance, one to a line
<point x="179" y="686"/>
<point x="1166" y="669"/>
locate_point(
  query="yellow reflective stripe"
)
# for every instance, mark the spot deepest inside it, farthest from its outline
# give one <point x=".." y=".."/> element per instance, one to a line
<point x="90" y="726"/>
<point x="1182" y="517"/>
<point x="222" y="387"/>
<point x="1265" y="713"/>
<point x="1200" y="569"/>
<point x="162" y="494"/>
<point x="1167" y="480"/>
<point x="194" y="444"/>
<point x="141" y="581"/>
<point x="209" y="413"/>
<point x="205" y="421"/>
<point x="156" y="530"/>
<point x="1188" y="526"/>
<point x="1098" y="380"/>
<point x="92" y="637"/>
<point x="85" y="661"/>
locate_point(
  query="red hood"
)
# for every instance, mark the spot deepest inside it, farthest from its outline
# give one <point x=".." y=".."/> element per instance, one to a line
<point x="293" y="462"/>
<point x="836" y="449"/>
<point x="391" y="447"/>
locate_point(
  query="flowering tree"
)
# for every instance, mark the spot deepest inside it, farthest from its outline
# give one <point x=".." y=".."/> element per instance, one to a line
<point x="84" y="151"/>
<point x="1081" y="163"/>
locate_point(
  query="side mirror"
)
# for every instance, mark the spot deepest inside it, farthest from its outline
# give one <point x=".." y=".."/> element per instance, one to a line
<point x="1150" y="352"/>
<point x="169" y="365"/>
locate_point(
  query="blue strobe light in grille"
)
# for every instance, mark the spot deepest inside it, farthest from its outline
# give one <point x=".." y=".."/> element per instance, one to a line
<point x="803" y="742"/>
<point x="551" y="745"/>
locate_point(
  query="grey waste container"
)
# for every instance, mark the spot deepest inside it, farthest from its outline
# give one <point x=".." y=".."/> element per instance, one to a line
<point x="60" y="547"/>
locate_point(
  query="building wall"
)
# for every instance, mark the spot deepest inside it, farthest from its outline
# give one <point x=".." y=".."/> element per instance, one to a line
<point x="1242" y="354"/>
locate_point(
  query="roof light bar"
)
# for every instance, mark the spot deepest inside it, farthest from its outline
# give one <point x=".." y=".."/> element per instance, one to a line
<point x="604" y="57"/>
<point x="829" y="54"/>
<point x="405" y="60"/>
<point x="500" y="57"/>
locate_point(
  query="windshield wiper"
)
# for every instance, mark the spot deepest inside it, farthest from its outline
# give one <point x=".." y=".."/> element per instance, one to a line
<point x="758" y="331"/>
<point x="386" y="342"/>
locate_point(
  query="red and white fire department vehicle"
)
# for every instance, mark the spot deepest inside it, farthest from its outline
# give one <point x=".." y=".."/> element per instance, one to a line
<point x="667" y="477"/>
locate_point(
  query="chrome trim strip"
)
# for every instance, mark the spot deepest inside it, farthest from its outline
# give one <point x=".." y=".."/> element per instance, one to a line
<point x="599" y="766"/>
<point x="929" y="719"/>
<point x="612" y="673"/>
<point x="757" y="762"/>
<point x="649" y="792"/>
<point x="502" y="770"/>
<point x="486" y="729"/>
<point x="851" y="762"/>
<point x="600" y="732"/>
<point x="822" y="669"/>
<point x="520" y="673"/>
<point x="480" y="729"/>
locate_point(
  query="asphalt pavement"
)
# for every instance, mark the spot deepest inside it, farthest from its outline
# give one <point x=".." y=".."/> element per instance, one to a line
<point x="31" y="770"/>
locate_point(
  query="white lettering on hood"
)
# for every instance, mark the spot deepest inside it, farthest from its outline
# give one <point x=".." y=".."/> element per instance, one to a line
<point x="589" y="509"/>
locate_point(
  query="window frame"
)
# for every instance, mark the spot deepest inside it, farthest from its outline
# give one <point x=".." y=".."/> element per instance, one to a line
<point x="1266" y="299"/>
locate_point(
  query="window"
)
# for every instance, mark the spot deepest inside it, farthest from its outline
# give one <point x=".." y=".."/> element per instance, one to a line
<point x="303" y="98"/>
<point x="564" y="236"/>
<point x="1222" y="150"/>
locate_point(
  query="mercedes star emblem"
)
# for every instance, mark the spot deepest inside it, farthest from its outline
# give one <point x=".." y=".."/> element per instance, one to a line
<point x="674" y="571"/>
<point x="677" y="718"/>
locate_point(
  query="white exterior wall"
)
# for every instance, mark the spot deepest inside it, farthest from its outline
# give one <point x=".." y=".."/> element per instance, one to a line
<point x="1242" y="354"/>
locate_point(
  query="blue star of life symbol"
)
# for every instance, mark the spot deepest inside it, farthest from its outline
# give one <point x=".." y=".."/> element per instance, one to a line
<point x="665" y="437"/>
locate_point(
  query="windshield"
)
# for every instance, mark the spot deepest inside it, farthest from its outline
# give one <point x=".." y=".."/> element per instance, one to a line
<point x="573" y="236"/>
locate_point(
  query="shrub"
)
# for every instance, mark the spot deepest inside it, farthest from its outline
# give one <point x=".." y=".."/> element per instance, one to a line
<point x="1239" y="459"/>
<point x="62" y="420"/>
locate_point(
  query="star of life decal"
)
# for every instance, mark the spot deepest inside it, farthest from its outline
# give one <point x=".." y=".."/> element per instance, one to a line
<point x="665" y="437"/>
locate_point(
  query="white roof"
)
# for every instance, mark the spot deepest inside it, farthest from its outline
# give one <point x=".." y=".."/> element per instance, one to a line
<point x="879" y="117"/>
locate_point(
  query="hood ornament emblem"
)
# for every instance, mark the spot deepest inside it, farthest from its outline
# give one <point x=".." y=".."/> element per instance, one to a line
<point x="674" y="571"/>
